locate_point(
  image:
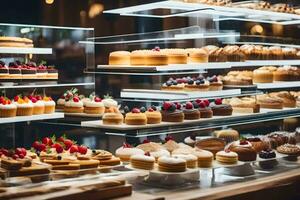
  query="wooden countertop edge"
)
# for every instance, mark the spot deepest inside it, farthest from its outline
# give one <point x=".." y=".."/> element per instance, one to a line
<point x="274" y="181"/>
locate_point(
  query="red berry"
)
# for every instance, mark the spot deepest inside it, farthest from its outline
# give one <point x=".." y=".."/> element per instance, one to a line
<point x="126" y="145"/>
<point x="178" y="106"/>
<point x="38" y="97"/>
<point x="35" y="145"/>
<point x="60" y="139"/>
<point x="4" y="152"/>
<point x="15" y="156"/>
<point x="202" y="105"/>
<point x="135" y="110"/>
<point x="16" y="98"/>
<point x="82" y="149"/>
<point x="167" y="105"/>
<point x="146" y="141"/>
<point x="206" y="102"/>
<point x="169" y="137"/>
<point x="58" y="148"/>
<point x="76" y="99"/>
<point x="189" y="105"/>
<point x="42" y="147"/>
<point x="97" y="99"/>
<point x="198" y="101"/>
<point x="73" y="149"/>
<point x="150" y="110"/>
<point x="243" y="142"/>
<point x="2" y="99"/>
<point x="18" y="151"/>
<point x="218" y="101"/>
<point x="68" y="143"/>
<point x="24" y="152"/>
<point x="47" y="141"/>
<point x="147" y="154"/>
<point x="33" y="99"/>
<point x="21" y="156"/>
<point x="156" y="48"/>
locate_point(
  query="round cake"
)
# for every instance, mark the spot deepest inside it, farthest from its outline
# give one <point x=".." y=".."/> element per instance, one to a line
<point x="197" y="55"/>
<point x="176" y="56"/>
<point x="171" y="164"/>
<point x="153" y="116"/>
<point x="135" y="117"/>
<point x="155" y="57"/>
<point x="244" y="150"/>
<point x="191" y="160"/>
<point x="205" y="158"/>
<point x="269" y="163"/>
<point x="171" y="113"/>
<point x="138" y="57"/>
<point x="119" y="58"/>
<point x="126" y="151"/>
<point x="113" y="118"/>
<point x="204" y="109"/>
<point x="257" y="144"/>
<point x="74" y="105"/>
<point x="262" y="76"/>
<point x="7" y="108"/>
<point x="24" y="106"/>
<point x="220" y="109"/>
<point x="227" y="157"/>
<point x="95" y="106"/>
<point x="190" y="113"/>
<point x="140" y="161"/>
<point x="229" y="135"/>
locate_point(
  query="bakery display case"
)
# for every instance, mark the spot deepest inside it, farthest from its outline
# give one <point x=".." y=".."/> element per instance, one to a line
<point x="184" y="113"/>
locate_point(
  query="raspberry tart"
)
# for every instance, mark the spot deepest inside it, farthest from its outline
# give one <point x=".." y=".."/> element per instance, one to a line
<point x="204" y="109"/>
<point x="172" y="112"/>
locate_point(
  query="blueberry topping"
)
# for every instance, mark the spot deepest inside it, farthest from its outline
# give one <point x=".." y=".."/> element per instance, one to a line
<point x="172" y="108"/>
<point x="58" y="157"/>
<point x="195" y="104"/>
<point x="190" y="81"/>
<point x="174" y="82"/>
<point x="143" y="109"/>
<point x="169" y="83"/>
<point x="154" y="108"/>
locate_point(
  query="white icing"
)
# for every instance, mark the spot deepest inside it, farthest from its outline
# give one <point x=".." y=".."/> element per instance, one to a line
<point x="61" y="102"/>
<point x="8" y="106"/>
<point x="74" y="104"/>
<point x="38" y="104"/>
<point x="189" y="157"/>
<point x="188" y="140"/>
<point x="85" y="100"/>
<point x="123" y="151"/>
<point x="94" y="104"/>
<point x="160" y="153"/>
<point x="227" y="154"/>
<point x="142" y="157"/>
<point x="171" y="160"/>
<point x="49" y="103"/>
<point x="24" y="105"/>
<point x="110" y="103"/>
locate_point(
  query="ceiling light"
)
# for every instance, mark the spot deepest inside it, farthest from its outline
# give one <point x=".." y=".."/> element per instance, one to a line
<point x="49" y="1"/>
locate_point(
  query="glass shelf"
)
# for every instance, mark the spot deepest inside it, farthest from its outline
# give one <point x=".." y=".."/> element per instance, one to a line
<point x="43" y="85"/>
<point x="23" y="50"/>
<point x="192" y="125"/>
<point x="278" y="85"/>
<point x="31" y="118"/>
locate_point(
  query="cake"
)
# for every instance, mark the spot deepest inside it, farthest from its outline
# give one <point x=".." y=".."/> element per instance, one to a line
<point x="262" y="75"/>
<point x="227" y="157"/>
<point x="244" y="150"/>
<point x="15" y="42"/>
<point x="38" y="105"/>
<point x="138" y="57"/>
<point x="257" y="143"/>
<point x="135" y="117"/>
<point x="94" y="105"/>
<point x="191" y="140"/>
<point x="197" y="55"/>
<point x="156" y="57"/>
<point x="215" y="83"/>
<point x="7" y="108"/>
<point x="60" y="103"/>
<point x="49" y="105"/>
<point x="24" y="106"/>
<point x="41" y="70"/>
<point x="119" y="58"/>
<point x="126" y="151"/>
<point x="191" y="160"/>
<point x="289" y="53"/>
<point x="270" y="161"/>
<point x="229" y="135"/>
<point x="170" y="144"/>
<point x="288" y="100"/>
<point x="238" y="78"/>
<point x="154" y="149"/>
<point x="233" y="53"/>
<point x="211" y="144"/>
<point x="112" y="118"/>
<point x="204" y="109"/>
<point x="153" y="116"/>
<point x="199" y="84"/>
<point x="191" y="113"/>
<point x="110" y="104"/>
<point x="289" y="149"/>
<point x="4" y="72"/>
<point x="176" y="56"/>
<point x="27" y="71"/>
<point x="275" y="53"/>
<point x="73" y="105"/>
<point x="265" y="101"/>
<point x="140" y="161"/>
<point x="205" y="158"/>
<point x="172" y="112"/>
<point x="52" y="72"/>
<point x="286" y="73"/>
<point x="171" y="164"/>
<point x="220" y="109"/>
<point x="14" y="71"/>
<point x="243" y="105"/>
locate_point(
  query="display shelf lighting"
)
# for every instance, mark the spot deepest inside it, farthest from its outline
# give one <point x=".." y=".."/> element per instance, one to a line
<point x="95" y="10"/>
<point x="49" y="1"/>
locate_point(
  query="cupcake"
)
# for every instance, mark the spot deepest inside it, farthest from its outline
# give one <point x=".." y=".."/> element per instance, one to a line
<point x="204" y="109"/>
<point x="190" y="112"/>
<point x="94" y="105"/>
<point x="171" y="112"/>
<point x="109" y="104"/>
<point x="49" y="105"/>
<point x="73" y="105"/>
<point x="38" y="105"/>
<point x="153" y="116"/>
<point x="24" y="106"/>
<point x="7" y="108"/>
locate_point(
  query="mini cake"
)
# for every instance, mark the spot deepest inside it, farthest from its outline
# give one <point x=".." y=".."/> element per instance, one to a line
<point x="288" y="100"/>
<point x="215" y="54"/>
<point x="110" y="104"/>
<point x="38" y="105"/>
<point x="135" y="117"/>
<point x="24" y="106"/>
<point x="52" y="72"/>
<point x="265" y="101"/>
<point x="60" y="103"/>
<point x="176" y="56"/>
<point x="191" y="160"/>
<point x="173" y="85"/>
<point x="49" y="105"/>
<point x="204" y="109"/>
<point x="227" y="157"/>
<point x="171" y="164"/>
<point x="257" y="144"/>
<point x="200" y="84"/>
<point x="244" y="150"/>
<point x="191" y="113"/>
<point x="197" y="55"/>
<point x="41" y="70"/>
<point x="205" y="158"/>
<point x="4" y="72"/>
<point x="172" y="112"/>
<point x="138" y="57"/>
<point x="289" y="53"/>
<point x="94" y="106"/>
<point x="267" y="154"/>
<point x="220" y="109"/>
<point x="119" y="58"/>
<point x="7" y="108"/>
<point x="262" y="75"/>
<point x="112" y="118"/>
<point x="140" y="161"/>
<point x="153" y="116"/>
<point x="126" y="151"/>
<point x="14" y="71"/>
<point x="243" y="105"/>
<point x="215" y="83"/>
<point x="275" y="53"/>
<point x="229" y="135"/>
<point x="28" y="72"/>
<point x="238" y="78"/>
<point x="211" y="144"/>
<point x="73" y="105"/>
<point x="155" y="57"/>
<point x="154" y="149"/>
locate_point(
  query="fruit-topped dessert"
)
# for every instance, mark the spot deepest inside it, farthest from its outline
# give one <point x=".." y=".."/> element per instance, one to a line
<point x="38" y="104"/>
<point x="41" y="70"/>
<point x="112" y="115"/>
<point x="257" y="143"/>
<point x="197" y="84"/>
<point x="24" y="106"/>
<point x="204" y="109"/>
<point x="65" y="97"/>
<point x="27" y="71"/>
<point x="52" y="72"/>
<point x="110" y="104"/>
<point x="14" y="70"/>
<point x="3" y="70"/>
<point x="170" y="144"/>
<point x="73" y="104"/>
<point x="153" y="115"/>
<point x="49" y="104"/>
<point x="126" y="151"/>
<point x="190" y="140"/>
<point x="7" y="108"/>
<point x="136" y="117"/>
<point x="220" y="109"/>
<point x="172" y="112"/>
<point x="94" y="105"/>
<point x="244" y="149"/>
<point x="215" y="83"/>
<point x="270" y="156"/>
<point x="174" y="85"/>
<point x="14" y="159"/>
<point x="191" y="111"/>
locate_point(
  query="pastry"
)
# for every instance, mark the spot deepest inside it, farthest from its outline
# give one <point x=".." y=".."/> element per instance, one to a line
<point x="140" y="161"/>
<point x="191" y="160"/>
<point x="243" y="105"/>
<point x="215" y="54"/>
<point x="211" y="144"/>
<point x="215" y="83"/>
<point x="49" y="105"/>
<point x="229" y="135"/>
<point x="173" y="85"/>
<point x="86" y="164"/>
<point x="41" y="70"/>
<point x="191" y="140"/>
<point x="100" y="155"/>
<point x="126" y="151"/>
<point x="191" y="113"/>
<point x="153" y="116"/>
<point x="176" y="56"/>
<point x="262" y="75"/>
<point x="172" y="112"/>
<point x="269" y="163"/>
<point x="113" y="118"/>
<point x="119" y="58"/>
<point x="227" y="157"/>
<point x="220" y="109"/>
<point x="28" y="72"/>
<point x="265" y="101"/>
<point x="238" y="78"/>
<point x="286" y="73"/>
<point x="200" y="84"/>
<point x="170" y="144"/>
<point x="233" y="53"/>
<point x="38" y="105"/>
<point x="288" y="100"/>
<point x="289" y="149"/>
<point x="15" y="42"/>
<point x="135" y="117"/>
<point x="155" y="57"/>
<point x="4" y="72"/>
<point x="171" y="164"/>
<point x="14" y="71"/>
<point x="110" y="105"/>
<point x="52" y="72"/>
<point x="257" y="144"/>
<point x="73" y="105"/>
<point x="24" y="106"/>
<point x="113" y="161"/>
<point x="275" y="53"/>
<point x="289" y="53"/>
<point x="94" y="106"/>
<point x="205" y="158"/>
<point x="197" y="55"/>
<point x="204" y="109"/>
<point x="7" y="108"/>
<point x="244" y="150"/>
